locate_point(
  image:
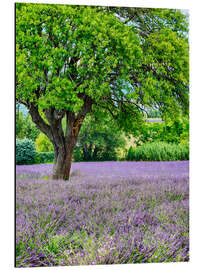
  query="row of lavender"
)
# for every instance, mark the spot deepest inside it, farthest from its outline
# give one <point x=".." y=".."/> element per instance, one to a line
<point x="108" y="213"/>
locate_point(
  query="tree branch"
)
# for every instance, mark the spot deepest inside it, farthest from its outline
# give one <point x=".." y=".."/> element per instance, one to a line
<point x="37" y="119"/>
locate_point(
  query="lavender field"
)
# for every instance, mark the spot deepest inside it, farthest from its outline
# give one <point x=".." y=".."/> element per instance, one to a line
<point x="108" y="213"/>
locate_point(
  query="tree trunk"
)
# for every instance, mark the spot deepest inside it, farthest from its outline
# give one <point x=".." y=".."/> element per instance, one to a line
<point x="63" y="156"/>
<point x="63" y="143"/>
<point x="62" y="164"/>
<point x="63" y="147"/>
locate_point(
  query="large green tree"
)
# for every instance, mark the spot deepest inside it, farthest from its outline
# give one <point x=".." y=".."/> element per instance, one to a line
<point x="76" y="60"/>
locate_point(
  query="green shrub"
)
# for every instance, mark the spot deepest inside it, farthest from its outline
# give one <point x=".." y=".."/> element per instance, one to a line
<point x="44" y="157"/>
<point x="176" y="132"/>
<point x="77" y="154"/>
<point x="159" y="151"/>
<point x="25" y="151"/>
<point x="43" y="144"/>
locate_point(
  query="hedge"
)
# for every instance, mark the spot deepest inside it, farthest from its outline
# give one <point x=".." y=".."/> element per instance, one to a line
<point x="159" y="151"/>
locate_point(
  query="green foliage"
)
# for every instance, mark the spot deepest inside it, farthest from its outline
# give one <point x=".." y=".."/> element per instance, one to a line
<point x="130" y="155"/>
<point x="47" y="56"/>
<point x="153" y="114"/>
<point x="25" y="128"/>
<point x="116" y="56"/>
<point x="31" y="130"/>
<point x="44" y="157"/>
<point x="20" y="125"/>
<point x="168" y="80"/>
<point x="162" y="78"/>
<point x="43" y="144"/>
<point x="177" y="131"/>
<point x="25" y="151"/>
<point x="159" y="151"/>
<point x="171" y="132"/>
<point x="98" y="140"/>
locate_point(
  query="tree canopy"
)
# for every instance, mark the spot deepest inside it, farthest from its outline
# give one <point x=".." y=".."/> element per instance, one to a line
<point x="64" y="52"/>
<point x="75" y="60"/>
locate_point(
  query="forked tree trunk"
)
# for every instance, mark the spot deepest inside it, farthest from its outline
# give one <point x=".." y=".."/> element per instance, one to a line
<point x="64" y="146"/>
<point x="64" y="143"/>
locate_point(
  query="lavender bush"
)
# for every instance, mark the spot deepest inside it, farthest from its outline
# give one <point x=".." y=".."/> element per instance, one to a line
<point x="108" y="213"/>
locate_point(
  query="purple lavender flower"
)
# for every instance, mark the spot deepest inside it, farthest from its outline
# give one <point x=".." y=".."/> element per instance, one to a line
<point x="110" y="212"/>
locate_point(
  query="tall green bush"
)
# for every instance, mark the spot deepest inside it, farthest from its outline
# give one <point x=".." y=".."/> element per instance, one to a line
<point x="25" y="151"/>
<point x="159" y="151"/>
